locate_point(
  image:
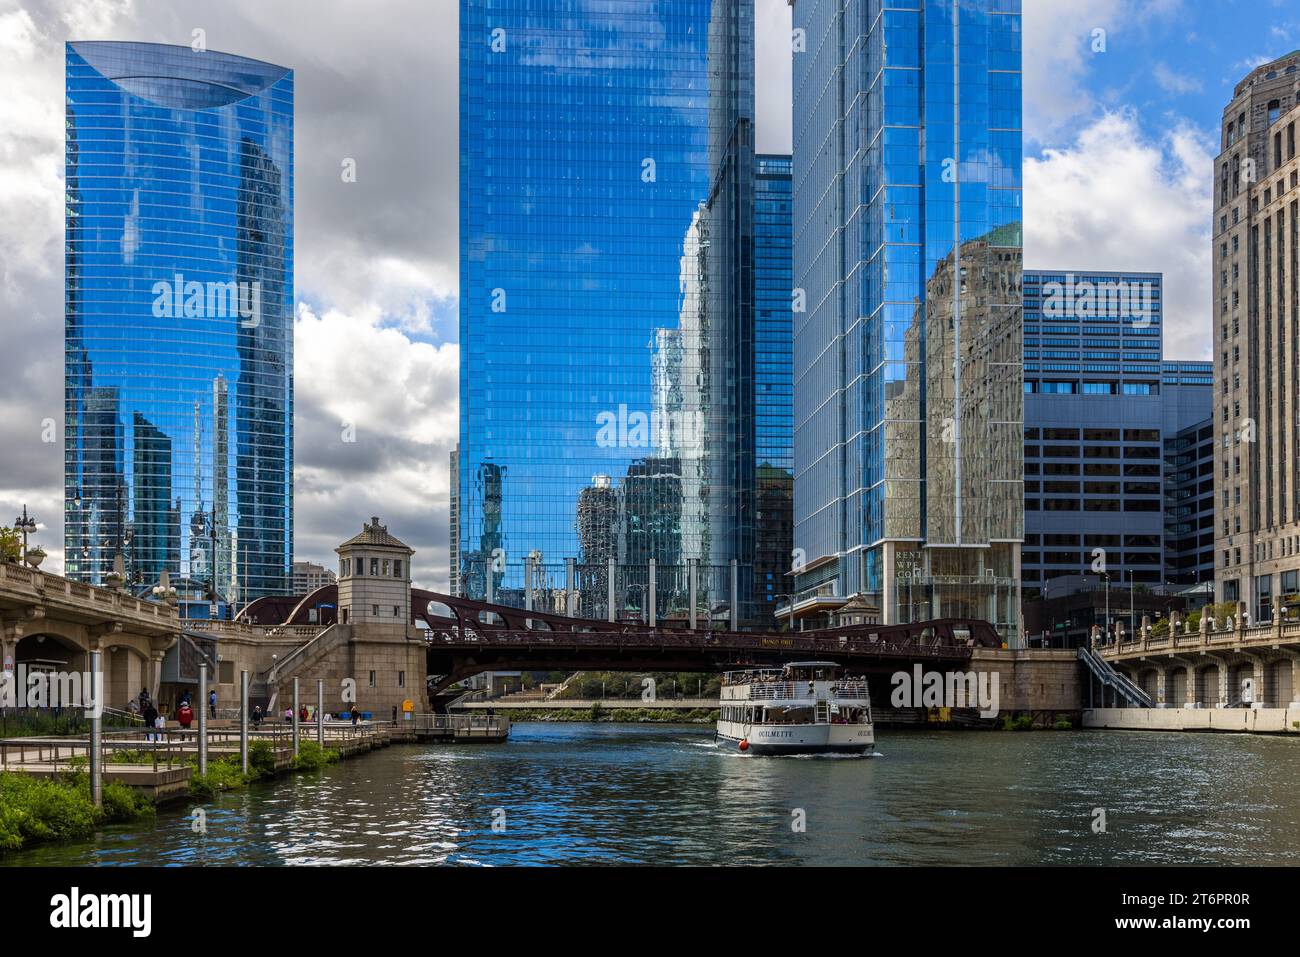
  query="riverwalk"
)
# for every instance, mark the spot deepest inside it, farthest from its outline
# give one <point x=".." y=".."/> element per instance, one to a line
<point x="162" y="763"/>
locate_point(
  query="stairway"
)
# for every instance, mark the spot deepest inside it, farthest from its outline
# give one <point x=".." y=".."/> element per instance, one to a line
<point x="1102" y="670"/>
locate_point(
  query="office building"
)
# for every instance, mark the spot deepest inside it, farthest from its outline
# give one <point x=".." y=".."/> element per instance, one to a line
<point x="607" y="394"/>
<point x="908" y="491"/>
<point x="1257" y="343"/>
<point x="179" y="319"/>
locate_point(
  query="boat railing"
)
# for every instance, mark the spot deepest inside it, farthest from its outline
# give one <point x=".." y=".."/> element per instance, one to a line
<point x="790" y="690"/>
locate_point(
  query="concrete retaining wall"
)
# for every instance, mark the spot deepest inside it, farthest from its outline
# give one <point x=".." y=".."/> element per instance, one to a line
<point x="1256" y="721"/>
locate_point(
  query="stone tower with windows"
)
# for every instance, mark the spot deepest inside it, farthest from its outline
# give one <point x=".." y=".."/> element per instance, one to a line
<point x="374" y="578"/>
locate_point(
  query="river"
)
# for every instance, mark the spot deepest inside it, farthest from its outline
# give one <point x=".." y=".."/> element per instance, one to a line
<point x="664" y="794"/>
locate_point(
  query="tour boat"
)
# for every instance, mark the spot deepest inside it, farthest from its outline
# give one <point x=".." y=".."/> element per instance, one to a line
<point x="805" y="707"/>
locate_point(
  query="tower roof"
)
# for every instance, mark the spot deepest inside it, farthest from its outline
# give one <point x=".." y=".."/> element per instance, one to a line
<point x="373" y="534"/>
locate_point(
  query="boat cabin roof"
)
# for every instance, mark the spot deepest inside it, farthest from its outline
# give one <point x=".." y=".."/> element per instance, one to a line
<point x="793" y="670"/>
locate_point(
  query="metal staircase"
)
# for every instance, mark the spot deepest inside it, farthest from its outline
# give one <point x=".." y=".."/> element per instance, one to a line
<point x="1122" y="689"/>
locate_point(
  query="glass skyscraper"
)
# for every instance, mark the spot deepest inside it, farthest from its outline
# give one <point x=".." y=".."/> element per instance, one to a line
<point x="907" y="321"/>
<point x="179" y="319"/>
<point x="773" y="384"/>
<point x="607" y="394"/>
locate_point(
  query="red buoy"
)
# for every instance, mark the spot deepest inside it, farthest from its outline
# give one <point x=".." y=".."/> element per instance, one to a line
<point x="744" y="744"/>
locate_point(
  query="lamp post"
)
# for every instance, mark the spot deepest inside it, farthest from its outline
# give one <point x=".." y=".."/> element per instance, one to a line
<point x="24" y="524"/>
<point x="1106" y="578"/>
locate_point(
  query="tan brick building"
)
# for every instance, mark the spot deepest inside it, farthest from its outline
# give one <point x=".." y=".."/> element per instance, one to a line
<point x="1257" y="343"/>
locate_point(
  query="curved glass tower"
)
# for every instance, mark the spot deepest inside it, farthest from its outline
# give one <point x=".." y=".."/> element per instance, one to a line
<point x="178" y="318"/>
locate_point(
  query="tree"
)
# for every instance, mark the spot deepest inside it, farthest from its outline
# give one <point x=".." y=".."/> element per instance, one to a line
<point x="11" y="545"/>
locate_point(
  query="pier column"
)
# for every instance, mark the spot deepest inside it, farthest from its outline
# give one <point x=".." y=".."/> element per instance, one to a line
<point x="692" y="571"/>
<point x="295" y="716"/>
<point x="96" y="729"/>
<point x="320" y="712"/>
<point x="650" y="599"/>
<point x="609" y="587"/>
<point x="203" y="717"/>
<point x="243" y="721"/>
<point x="1162" y="685"/>
<point x="735" y="595"/>
<point x="1294" y="703"/>
<point x="155" y="673"/>
<point x="570" y="587"/>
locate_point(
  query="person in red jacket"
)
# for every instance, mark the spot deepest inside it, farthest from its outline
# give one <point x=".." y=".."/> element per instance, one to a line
<point x="185" y="714"/>
<point x="302" y="714"/>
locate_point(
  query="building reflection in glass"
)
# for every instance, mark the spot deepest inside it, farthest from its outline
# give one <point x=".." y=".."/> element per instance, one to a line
<point x="179" y="290"/>
<point x="607" y="307"/>
<point x="908" y="397"/>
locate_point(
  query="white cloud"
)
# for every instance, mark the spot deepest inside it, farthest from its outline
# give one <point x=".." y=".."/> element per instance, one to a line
<point x="1115" y="199"/>
<point x="773" y="81"/>
<point x="376" y="417"/>
<point x="1173" y="82"/>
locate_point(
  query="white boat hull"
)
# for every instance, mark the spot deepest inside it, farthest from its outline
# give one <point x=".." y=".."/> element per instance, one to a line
<point x="799" y="738"/>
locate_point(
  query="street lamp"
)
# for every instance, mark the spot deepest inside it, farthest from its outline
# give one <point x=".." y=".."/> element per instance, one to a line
<point x="24" y="524"/>
<point x="1106" y="577"/>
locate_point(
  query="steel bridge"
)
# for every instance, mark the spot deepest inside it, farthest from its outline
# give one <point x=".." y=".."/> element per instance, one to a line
<point x="466" y="637"/>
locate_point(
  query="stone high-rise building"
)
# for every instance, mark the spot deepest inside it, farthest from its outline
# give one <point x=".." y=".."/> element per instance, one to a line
<point x="1257" y="342"/>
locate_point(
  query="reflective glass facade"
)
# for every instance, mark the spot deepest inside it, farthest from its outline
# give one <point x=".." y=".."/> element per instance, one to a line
<point x="773" y="383"/>
<point x="607" y="305"/>
<point x="179" y="318"/>
<point x="907" y="349"/>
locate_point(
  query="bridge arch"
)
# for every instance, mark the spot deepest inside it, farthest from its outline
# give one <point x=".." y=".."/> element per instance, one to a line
<point x="1148" y="680"/>
<point x="1207" y="685"/>
<point x="1176" y="686"/>
<point x="1277" y="684"/>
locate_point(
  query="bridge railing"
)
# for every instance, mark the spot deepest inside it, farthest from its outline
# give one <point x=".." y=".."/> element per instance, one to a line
<point x="844" y="643"/>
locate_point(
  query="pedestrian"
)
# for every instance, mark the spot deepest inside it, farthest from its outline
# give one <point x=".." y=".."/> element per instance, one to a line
<point x="185" y="715"/>
<point x="160" y="725"/>
<point x="212" y="703"/>
<point x="149" y="713"/>
<point x="302" y="713"/>
<point x="288" y="714"/>
<point x="257" y="716"/>
<point x="355" y="715"/>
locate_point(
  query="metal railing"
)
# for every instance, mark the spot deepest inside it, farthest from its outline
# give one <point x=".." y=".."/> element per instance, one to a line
<point x="468" y="724"/>
<point x="791" y="690"/>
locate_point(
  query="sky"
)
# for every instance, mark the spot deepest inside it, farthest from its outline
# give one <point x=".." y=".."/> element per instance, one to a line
<point x="1122" y="100"/>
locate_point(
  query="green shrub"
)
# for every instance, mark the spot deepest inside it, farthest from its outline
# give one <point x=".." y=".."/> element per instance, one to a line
<point x="312" y="757"/>
<point x="124" y="803"/>
<point x="261" y="759"/>
<point x="48" y="809"/>
<point x="223" y="775"/>
<point x="1022" y="723"/>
